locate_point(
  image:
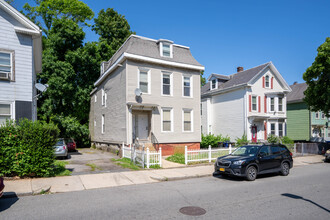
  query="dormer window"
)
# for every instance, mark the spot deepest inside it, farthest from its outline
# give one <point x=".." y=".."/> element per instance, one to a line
<point x="267" y="81"/>
<point x="214" y="84"/>
<point x="166" y="48"/>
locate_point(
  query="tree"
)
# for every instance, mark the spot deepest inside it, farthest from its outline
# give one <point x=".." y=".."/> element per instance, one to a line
<point x="203" y="80"/>
<point x="317" y="77"/>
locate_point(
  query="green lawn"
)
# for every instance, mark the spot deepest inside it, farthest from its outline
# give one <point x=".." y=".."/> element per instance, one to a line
<point x="60" y="168"/>
<point x="126" y="163"/>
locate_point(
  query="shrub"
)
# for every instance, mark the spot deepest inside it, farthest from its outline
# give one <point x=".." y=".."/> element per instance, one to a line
<point x="242" y="141"/>
<point x="26" y="148"/>
<point x="273" y="139"/>
<point x="286" y="140"/>
<point x="212" y="140"/>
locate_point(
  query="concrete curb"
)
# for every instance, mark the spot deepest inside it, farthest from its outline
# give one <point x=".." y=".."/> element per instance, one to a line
<point x="32" y="193"/>
<point x="163" y="179"/>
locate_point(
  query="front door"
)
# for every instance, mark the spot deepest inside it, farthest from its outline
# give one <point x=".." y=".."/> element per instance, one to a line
<point x="254" y="134"/>
<point x="141" y="126"/>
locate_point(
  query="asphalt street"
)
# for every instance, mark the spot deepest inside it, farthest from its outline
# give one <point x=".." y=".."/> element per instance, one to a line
<point x="304" y="194"/>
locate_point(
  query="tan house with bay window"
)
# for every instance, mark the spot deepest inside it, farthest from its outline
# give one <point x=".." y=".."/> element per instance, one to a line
<point x="149" y="91"/>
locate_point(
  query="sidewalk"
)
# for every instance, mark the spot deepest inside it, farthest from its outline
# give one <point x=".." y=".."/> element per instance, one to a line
<point x="93" y="181"/>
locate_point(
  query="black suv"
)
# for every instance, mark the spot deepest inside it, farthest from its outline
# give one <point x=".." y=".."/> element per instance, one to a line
<point x="250" y="160"/>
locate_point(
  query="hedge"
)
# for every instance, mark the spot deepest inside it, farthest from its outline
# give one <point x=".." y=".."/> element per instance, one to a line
<point x="26" y="148"/>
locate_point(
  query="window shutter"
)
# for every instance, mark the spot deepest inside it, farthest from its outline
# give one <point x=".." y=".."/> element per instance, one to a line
<point x="250" y="103"/>
<point x="259" y="104"/>
<point x="265" y="104"/>
<point x="263" y="82"/>
<point x="272" y="82"/>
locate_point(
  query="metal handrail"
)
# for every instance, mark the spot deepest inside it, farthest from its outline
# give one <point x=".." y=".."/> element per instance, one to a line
<point x="154" y="141"/>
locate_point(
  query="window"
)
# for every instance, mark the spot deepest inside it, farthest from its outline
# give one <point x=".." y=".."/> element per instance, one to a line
<point x="280" y="129"/>
<point x="6" y="65"/>
<point x="104" y="98"/>
<point x="267" y="81"/>
<point x="264" y="151"/>
<point x="317" y="115"/>
<point x="95" y="98"/>
<point x="94" y="122"/>
<point x="272" y="128"/>
<point x="254" y="103"/>
<point x="276" y="149"/>
<point x="272" y="105"/>
<point x="103" y="124"/>
<point x="322" y="115"/>
<point x="186" y="86"/>
<point x="5" y="112"/>
<point x="144" y="81"/>
<point x="187" y="122"/>
<point x="280" y="104"/>
<point x="167" y="119"/>
<point x="166" y="50"/>
<point x="166" y="84"/>
<point x="214" y="84"/>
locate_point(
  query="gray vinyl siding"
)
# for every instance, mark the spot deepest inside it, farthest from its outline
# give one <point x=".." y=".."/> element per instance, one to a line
<point x="177" y="102"/>
<point x="114" y="112"/>
<point x="22" y="88"/>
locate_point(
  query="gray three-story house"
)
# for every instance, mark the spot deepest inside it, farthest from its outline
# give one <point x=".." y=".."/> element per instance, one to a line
<point x="20" y="61"/>
<point x="149" y="91"/>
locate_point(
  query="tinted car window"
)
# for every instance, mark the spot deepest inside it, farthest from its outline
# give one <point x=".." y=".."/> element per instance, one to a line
<point x="245" y="151"/>
<point x="264" y="151"/>
<point x="276" y="149"/>
<point x="283" y="149"/>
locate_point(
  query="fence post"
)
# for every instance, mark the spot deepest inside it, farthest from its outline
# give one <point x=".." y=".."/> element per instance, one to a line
<point x="143" y="152"/>
<point x="229" y="148"/>
<point x="185" y="155"/>
<point x="123" y="151"/>
<point x="209" y="153"/>
<point x="148" y="159"/>
<point x="160" y="156"/>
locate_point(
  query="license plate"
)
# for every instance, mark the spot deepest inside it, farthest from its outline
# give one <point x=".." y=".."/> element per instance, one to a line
<point x="222" y="169"/>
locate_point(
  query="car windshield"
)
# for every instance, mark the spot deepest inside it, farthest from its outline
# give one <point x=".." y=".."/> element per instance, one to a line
<point x="246" y="151"/>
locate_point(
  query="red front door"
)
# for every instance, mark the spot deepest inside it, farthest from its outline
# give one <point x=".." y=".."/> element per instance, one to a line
<point x="254" y="134"/>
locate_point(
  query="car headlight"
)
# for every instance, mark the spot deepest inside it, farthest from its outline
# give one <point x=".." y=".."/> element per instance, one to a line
<point x="239" y="162"/>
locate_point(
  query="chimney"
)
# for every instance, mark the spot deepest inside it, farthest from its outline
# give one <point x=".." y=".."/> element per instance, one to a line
<point x="295" y="83"/>
<point x="240" y="69"/>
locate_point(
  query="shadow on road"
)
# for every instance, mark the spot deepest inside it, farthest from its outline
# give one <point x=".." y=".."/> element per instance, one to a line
<point x="292" y="196"/>
<point x="6" y="203"/>
<point x="238" y="179"/>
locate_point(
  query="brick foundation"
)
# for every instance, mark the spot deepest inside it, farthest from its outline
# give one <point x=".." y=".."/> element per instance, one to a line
<point x="172" y="148"/>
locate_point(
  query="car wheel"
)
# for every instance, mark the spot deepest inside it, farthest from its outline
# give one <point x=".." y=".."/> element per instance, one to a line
<point x="285" y="169"/>
<point x="251" y="173"/>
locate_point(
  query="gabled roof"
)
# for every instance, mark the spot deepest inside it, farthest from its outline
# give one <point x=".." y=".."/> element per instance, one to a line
<point x="218" y="76"/>
<point x="297" y="93"/>
<point x="146" y="49"/>
<point x="244" y="78"/>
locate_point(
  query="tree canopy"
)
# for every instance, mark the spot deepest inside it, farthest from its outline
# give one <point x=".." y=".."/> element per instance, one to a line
<point x="317" y="77"/>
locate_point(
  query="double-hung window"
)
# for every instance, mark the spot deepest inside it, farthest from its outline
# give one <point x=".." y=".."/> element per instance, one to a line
<point x="166" y="50"/>
<point x="272" y="104"/>
<point x="322" y="115"/>
<point x="5" y="113"/>
<point x="144" y="81"/>
<point x="272" y="128"/>
<point x="280" y="104"/>
<point x="280" y="129"/>
<point x="317" y="115"/>
<point x="187" y="120"/>
<point x="167" y="119"/>
<point x="103" y="124"/>
<point x="254" y="103"/>
<point x="167" y="83"/>
<point x="104" y="98"/>
<point x="214" y="84"/>
<point x="187" y="86"/>
<point x="6" y="66"/>
<point x="267" y="81"/>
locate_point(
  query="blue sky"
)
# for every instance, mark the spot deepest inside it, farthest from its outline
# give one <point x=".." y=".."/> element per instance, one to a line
<point x="225" y="34"/>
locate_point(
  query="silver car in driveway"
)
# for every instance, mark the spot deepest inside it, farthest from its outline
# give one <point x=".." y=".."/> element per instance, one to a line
<point x="61" y="150"/>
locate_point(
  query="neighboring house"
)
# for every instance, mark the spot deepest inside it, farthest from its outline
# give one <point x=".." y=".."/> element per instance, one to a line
<point x="20" y="60"/>
<point x="167" y="112"/>
<point x="250" y="102"/>
<point x="302" y="124"/>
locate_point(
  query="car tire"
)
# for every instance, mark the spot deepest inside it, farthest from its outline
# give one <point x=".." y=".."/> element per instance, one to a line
<point x="251" y="173"/>
<point x="285" y="169"/>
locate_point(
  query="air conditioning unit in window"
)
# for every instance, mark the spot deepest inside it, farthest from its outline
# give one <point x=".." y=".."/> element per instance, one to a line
<point x="4" y="76"/>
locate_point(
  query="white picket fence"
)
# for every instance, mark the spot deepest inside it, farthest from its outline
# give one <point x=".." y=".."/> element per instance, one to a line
<point x="143" y="157"/>
<point x="205" y="154"/>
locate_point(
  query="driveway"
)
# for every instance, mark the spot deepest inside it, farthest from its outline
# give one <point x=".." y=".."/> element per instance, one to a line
<point x="88" y="161"/>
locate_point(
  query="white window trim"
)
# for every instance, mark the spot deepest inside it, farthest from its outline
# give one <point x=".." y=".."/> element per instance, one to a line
<point x="191" y="120"/>
<point x="322" y="115"/>
<point x="12" y="109"/>
<point x="161" y="121"/>
<point x="102" y="124"/>
<point x="270" y="104"/>
<point x="149" y="79"/>
<point x="161" y="49"/>
<point x="257" y="104"/>
<point x="95" y="97"/>
<point x="191" y="86"/>
<point x="171" y="83"/>
<point x="269" y="81"/>
<point x="216" y="84"/>
<point x="278" y="104"/>
<point x="270" y="128"/>
<point x="317" y="115"/>
<point x="12" y="66"/>
<point x="278" y="129"/>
